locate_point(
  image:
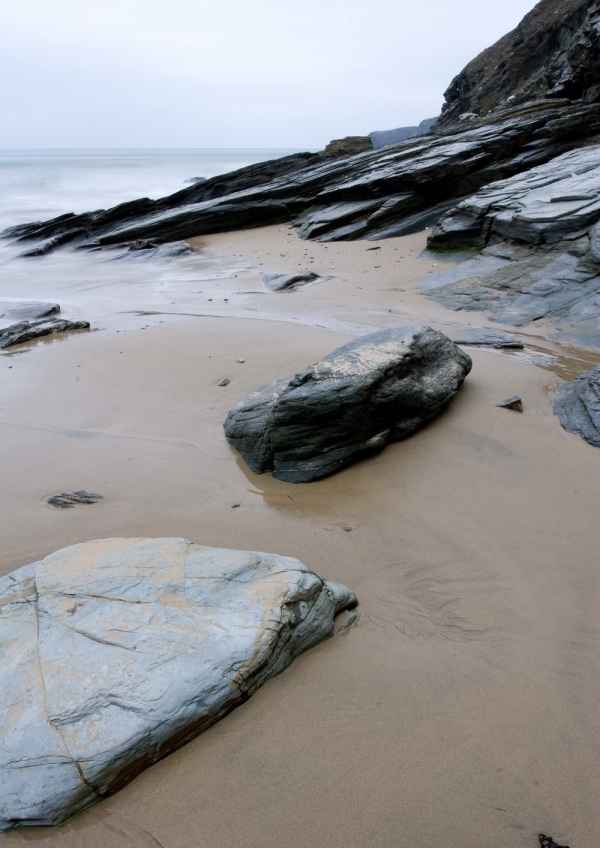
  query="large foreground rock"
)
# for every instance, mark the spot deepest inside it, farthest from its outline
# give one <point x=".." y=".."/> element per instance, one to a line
<point x="577" y="405"/>
<point x="375" y="390"/>
<point x="116" y="652"/>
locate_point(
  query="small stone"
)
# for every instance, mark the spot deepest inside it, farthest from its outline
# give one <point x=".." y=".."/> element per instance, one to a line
<point x="348" y="529"/>
<point x="240" y="360"/>
<point x="515" y="403"/>
<point x="67" y="500"/>
<point x="224" y="382"/>
<point x="235" y="506"/>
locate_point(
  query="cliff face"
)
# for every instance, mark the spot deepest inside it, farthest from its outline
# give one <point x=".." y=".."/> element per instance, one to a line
<point x="553" y="53"/>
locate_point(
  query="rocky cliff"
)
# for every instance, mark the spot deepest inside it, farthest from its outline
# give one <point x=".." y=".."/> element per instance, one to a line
<point x="553" y="53"/>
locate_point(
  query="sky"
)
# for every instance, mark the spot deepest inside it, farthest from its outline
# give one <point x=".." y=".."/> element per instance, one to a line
<point x="231" y="73"/>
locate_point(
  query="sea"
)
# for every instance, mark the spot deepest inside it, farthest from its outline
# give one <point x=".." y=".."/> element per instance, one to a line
<point x="36" y="185"/>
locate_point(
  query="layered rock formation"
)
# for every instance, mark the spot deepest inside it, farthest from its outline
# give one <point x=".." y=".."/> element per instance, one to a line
<point x="540" y="235"/>
<point x="577" y="405"/>
<point x="392" y="191"/>
<point x="119" y="651"/>
<point x="375" y="390"/>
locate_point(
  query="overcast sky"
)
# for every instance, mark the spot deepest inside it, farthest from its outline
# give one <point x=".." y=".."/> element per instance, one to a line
<point x="231" y="73"/>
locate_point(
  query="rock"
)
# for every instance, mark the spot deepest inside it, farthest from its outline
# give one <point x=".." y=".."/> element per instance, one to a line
<point x="62" y="238"/>
<point x="142" y="244"/>
<point x="349" y="146"/>
<point x="119" y="651"/>
<point x="279" y="282"/>
<point x="396" y="190"/>
<point x="515" y="403"/>
<point x="381" y="138"/>
<point x="26" y="310"/>
<point x="483" y="338"/>
<point x="25" y="331"/>
<point x="557" y="200"/>
<point x="377" y="389"/>
<point x="224" y="382"/>
<point x="67" y="500"/>
<point x="548" y="842"/>
<point x="553" y="53"/>
<point x="196" y="180"/>
<point x="577" y="405"/>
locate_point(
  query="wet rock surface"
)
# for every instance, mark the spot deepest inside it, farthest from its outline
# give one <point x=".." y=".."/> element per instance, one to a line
<point x="26" y="331"/>
<point x="485" y="338"/>
<point x="577" y="405"/>
<point x="540" y="242"/>
<point x="375" y="390"/>
<point x="119" y="651"/>
<point x="280" y="282"/>
<point x="26" y="310"/>
<point x="395" y="190"/>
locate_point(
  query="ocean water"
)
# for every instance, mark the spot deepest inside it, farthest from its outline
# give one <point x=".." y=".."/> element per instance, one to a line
<point x="36" y="185"/>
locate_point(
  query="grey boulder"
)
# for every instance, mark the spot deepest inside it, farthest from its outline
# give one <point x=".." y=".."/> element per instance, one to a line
<point x="377" y="389"/>
<point x="577" y="405"/>
<point x="119" y="651"/>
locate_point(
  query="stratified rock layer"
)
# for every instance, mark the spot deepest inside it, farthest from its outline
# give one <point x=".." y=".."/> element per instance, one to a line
<point x="577" y="405"/>
<point x="116" y="652"/>
<point x="378" y="389"/>
<point x="541" y="249"/>
<point x="396" y="190"/>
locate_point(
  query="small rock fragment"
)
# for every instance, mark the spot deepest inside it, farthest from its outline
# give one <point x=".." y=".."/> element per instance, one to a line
<point x="240" y="360"/>
<point x="235" y="506"/>
<point x="67" y="500"/>
<point x="515" y="403"/>
<point x="224" y="382"/>
<point x="548" y="842"/>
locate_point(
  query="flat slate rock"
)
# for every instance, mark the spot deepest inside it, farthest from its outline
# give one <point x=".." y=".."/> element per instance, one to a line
<point x="26" y="310"/>
<point x="485" y="338"/>
<point x="116" y="652"/>
<point x="280" y="282"/>
<point x="26" y="331"/>
<point x="557" y="200"/>
<point x="377" y="389"/>
<point x="577" y="405"/>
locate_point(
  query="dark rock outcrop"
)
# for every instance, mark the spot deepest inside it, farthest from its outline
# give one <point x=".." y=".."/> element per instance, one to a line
<point x="26" y="331"/>
<point x="553" y="53"/>
<point x="577" y="405"/>
<point x="392" y="191"/>
<point x="375" y="390"/>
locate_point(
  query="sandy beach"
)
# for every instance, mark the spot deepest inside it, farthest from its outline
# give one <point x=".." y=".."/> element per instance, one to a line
<point x="462" y="709"/>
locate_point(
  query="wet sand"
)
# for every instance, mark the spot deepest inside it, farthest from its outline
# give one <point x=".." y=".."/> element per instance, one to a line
<point x="462" y="709"/>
